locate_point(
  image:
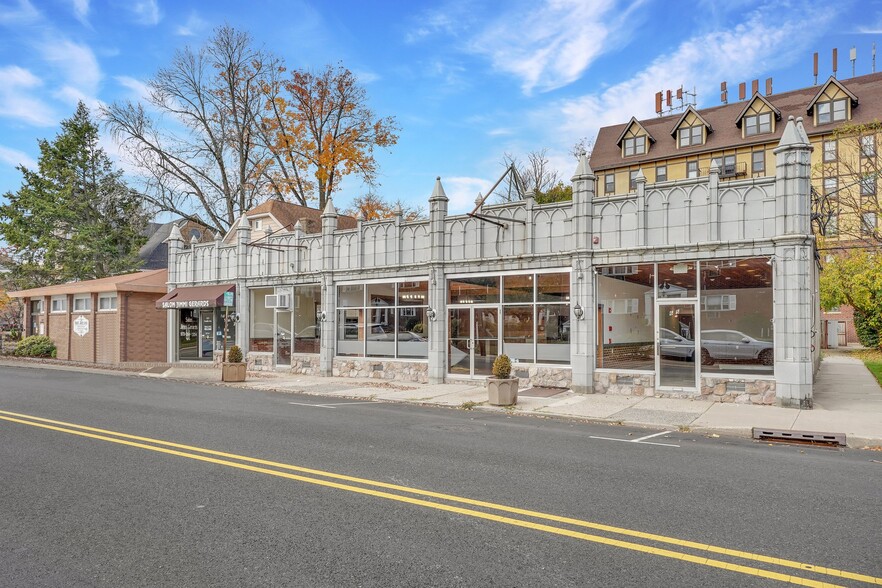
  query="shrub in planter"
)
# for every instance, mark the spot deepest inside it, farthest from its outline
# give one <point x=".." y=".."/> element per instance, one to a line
<point x="502" y="389"/>
<point x="35" y="346"/>
<point x="233" y="369"/>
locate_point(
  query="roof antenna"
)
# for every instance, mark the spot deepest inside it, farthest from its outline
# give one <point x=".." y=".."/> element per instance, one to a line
<point x="874" y="57"/>
<point x="816" y="67"/>
<point x="852" y="56"/>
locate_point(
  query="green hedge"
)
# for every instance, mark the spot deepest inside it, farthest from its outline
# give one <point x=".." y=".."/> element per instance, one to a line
<point x="868" y="336"/>
<point x="36" y="346"/>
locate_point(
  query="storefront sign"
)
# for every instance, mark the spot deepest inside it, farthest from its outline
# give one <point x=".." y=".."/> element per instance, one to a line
<point x="81" y="326"/>
<point x="187" y="304"/>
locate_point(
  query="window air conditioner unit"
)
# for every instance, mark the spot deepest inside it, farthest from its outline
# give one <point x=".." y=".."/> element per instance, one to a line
<point x="277" y="301"/>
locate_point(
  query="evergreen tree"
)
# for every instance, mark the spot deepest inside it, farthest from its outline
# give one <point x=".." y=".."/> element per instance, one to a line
<point x="73" y="218"/>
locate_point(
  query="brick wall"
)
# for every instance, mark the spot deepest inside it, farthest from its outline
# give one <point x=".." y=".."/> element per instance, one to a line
<point x="143" y="328"/>
<point x="82" y="348"/>
<point x="58" y="332"/>
<point x="107" y="332"/>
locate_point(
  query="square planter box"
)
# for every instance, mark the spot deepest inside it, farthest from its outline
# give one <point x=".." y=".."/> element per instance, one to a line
<point x="502" y="392"/>
<point x="233" y="372"/>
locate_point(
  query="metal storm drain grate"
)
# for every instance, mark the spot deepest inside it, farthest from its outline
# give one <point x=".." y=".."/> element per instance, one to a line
<point x="809" y="437"/>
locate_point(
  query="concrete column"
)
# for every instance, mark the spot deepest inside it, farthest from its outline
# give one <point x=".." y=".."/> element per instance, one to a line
<point x="243" y="299"/>
<point x="795" y="302"/>
<point x="217" y="256"/>
<point x="640" y="180"/>
<point x="581" y="287"/>
<point x="713" y="201"/>
<point x="329" y="290"/>
<point x="529" y="205"/>
<point x="437" y="285"/>
<point x="399" y="217"/>
<point x="194" y="267"/>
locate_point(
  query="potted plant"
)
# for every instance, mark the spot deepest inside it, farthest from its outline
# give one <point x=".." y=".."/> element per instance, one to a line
<point x="234" y="367"/>
<point x="502" y="389"/>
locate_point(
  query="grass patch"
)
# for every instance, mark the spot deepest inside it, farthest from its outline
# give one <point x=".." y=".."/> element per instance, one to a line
<point x="468" y="405"/>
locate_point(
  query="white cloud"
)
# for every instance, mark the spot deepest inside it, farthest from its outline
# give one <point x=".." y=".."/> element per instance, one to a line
<point x="735" y="52"/>
<point x="77" y="65"/>
<point x="23" y="13"/>
<point x="367" y="77"/>
<point x="146" y="12"/>
<point x="81" y="10"/>
<point x="14" y="157"/>
<point x="462" y="191"/>
<point x="194" y="26"/>
<point x="16" y="100"/>
<point x="139" y="90"/>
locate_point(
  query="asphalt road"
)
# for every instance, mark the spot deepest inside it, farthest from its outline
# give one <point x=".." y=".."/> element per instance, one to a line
<point x="163" y="489"/>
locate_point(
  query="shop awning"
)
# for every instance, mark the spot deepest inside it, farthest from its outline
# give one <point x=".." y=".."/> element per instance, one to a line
<point x="195" y="297"/>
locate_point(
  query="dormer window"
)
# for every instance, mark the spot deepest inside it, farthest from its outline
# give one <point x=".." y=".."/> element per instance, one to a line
<point x="256" y="224"/>
<point x="634" y="146"/>
<point x="831" y="111"/>
<point x="758" y="124"/>
<point x="691" y="136"/>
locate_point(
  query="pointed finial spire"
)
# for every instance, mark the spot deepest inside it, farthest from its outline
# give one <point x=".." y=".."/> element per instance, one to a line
<point x="640" y="177"/>
<point x="329" y="209"/>
<point x="479" y="200"/>
<point x="584" y="168"/>
<point x="791" y="135"/>
<point x="438" y="191"/>
<point x="175" y="234"/>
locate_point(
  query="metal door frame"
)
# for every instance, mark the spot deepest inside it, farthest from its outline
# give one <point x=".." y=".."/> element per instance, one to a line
<point x="696" y="355"/>
<point x="470" y="342"/>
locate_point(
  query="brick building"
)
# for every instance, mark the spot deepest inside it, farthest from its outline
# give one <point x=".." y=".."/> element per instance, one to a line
<point x="109" y="320"/>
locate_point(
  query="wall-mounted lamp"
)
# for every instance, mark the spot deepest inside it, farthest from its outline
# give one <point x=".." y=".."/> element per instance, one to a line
<point x="578" y="311"/>
<point x="430" y="312"/>
<point x="321" y="316"/>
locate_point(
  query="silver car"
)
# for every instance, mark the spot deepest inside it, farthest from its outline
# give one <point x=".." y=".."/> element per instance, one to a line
<point x="734" y="345"/>
<point x="673" y="345"/>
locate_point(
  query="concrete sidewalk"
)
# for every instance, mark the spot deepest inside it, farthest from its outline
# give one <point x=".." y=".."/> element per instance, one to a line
<point x="847" y="400"/>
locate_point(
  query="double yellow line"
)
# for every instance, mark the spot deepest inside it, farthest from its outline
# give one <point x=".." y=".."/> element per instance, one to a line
<point x="366" y="487"/>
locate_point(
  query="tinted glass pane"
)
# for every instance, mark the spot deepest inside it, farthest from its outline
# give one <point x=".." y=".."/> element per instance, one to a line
<point x="352" y="295"/>
<point x="474" y="290"/>
<point x="553" y="333"/>
<point x="517" y="333"/>
<point x="307" y="330"/>
<point x="413" y="332"/>
<point x="381" y="294"/>
<point x="350" y="332"/>
<point x="381" y="332"/>
<point x="553" y="287"/>
<point x="413" y="293"/>
<point x="517" y="288"/>
<point x="677" y="280"/>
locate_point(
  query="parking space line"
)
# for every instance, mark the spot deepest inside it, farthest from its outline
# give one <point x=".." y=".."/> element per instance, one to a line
<point x="330" y="405"/>
<point x="640" y="440"/>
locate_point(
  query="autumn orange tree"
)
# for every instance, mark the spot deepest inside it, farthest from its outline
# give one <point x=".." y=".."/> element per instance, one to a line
<point x="371" y="206"/>
<point x="319" y="128"/>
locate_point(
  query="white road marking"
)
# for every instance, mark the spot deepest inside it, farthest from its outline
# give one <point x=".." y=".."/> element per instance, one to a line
<point x="640" y="440"/>
<point x="333" y="405"/>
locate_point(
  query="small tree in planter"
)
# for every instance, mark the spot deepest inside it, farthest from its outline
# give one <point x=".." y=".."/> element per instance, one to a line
<point x="502" y="389"/>
<point x="233" y="368"/>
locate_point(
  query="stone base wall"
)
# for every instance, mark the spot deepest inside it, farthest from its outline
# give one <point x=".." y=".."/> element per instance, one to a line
<point x="307" y="365"/>
<point x="403" y="371"/>
<point x="550" y="377"/>
<point x="260" y="361"/>
<point x="736" y="390"/>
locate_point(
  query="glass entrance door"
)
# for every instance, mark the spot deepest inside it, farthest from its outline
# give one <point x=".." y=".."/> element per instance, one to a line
<point x="206" y="334"/>
<point x="283" y="337"/>
<point x="675" y="346"/>
<point x="473" y="340"/>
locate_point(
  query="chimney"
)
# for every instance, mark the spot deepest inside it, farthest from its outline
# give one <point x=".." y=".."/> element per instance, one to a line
<point x="724" y="94"/>
<point x="742" y="90"/>
<point x="768" y="86"/>
<point x="754" y="87"/>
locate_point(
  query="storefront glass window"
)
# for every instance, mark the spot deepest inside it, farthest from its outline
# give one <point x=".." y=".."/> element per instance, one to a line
<point x="553" y="333"/>
<point x="350" y="296"/>
<point x="677" y="280"/>
<point x="736" y="317"/>
<point x="307" y="331"/>
<point x="262" y="325"/>
<point x="553" y="287"/>
<point x="517" y="332"/>
<point x="474" y="290"/>
<point x="626" y="317"/>
<point x="350" y="332"/>
<point x="517" y="288"/>
<point x="413" y="332"/>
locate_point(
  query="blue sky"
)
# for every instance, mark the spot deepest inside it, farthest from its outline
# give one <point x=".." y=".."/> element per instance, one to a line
<point x="467" y="80"/>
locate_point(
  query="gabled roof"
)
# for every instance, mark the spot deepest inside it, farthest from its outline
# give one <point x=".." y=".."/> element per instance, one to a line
<point x="754" y="98"/>
<point x="607" y="155"/>
<point x="628" y="126"/>
<point x="149" y="281"/>
<point x="680" y="120"/>
<point x="286" y="214"/>
<point x="838" y="84"/>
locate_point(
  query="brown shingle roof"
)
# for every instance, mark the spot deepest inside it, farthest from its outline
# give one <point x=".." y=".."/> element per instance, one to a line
<point x="149" y="281"/>
<point x="607" y="155"/>
<point x="288" y="214"/>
